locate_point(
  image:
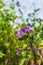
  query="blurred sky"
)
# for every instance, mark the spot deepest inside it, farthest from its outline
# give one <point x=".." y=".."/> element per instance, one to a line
<point x="27" y="7"/>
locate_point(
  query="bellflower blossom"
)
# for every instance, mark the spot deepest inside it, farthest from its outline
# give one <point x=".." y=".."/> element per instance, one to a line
<point x="36" y="49"/>
<point x="28" y="48"/>
<point x="22" y="29"/>
<point x="27" y="29"/>
<point x="19" y="49"/>
<point x="17" y="53"/>
<point x="20" y="32"/>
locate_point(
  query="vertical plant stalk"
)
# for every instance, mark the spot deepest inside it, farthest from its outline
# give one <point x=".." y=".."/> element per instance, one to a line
<point x="7" y="59"/>
<point x="34" y="57"/>
<point x="34" y="53"/>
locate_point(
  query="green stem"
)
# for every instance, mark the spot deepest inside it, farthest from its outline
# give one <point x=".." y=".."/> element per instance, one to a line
<point x="34" y="54"/>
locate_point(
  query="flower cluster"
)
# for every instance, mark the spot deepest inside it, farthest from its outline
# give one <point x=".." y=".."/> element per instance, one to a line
<point x="20" y="49"/>
<point x="23" y="30"/>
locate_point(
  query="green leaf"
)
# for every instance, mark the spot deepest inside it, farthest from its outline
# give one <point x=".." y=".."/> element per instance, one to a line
<point x="22" y="61"/>
<point x="1" y="54"/>
<point x="36" y="10"/>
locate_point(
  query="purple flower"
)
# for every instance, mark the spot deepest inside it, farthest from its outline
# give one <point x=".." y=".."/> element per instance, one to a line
<point x="20" y="32"/>
<point x="28" y="48"/>
<point x="19" y="49"/>
<point x="27" y="29"/>
<point x="22" y="29"/>
<point x="36" y="49"/>
<point x="17" y="53"/>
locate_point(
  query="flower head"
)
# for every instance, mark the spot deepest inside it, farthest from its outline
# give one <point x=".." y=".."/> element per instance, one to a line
<point x="27" y="29"/>
<point x="19" y="49"/>
<point x="17" y="53"/>
<point x="36" y="49"/>
<point x="20" y="32"/>
<point x="28" y="48"/>
<point x="22" y="29"/>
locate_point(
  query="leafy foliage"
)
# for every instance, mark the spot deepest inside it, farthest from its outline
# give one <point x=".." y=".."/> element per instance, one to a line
<point x="22" y="45"/>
